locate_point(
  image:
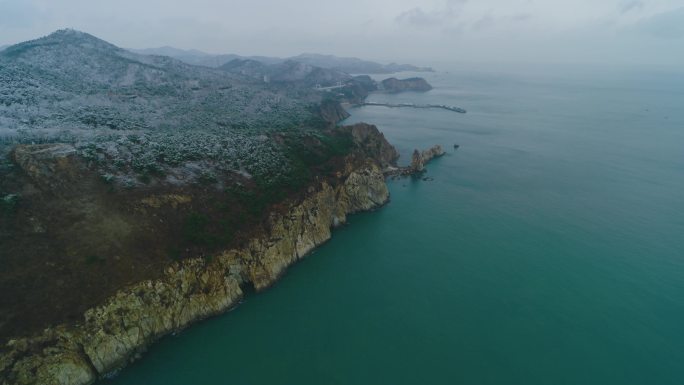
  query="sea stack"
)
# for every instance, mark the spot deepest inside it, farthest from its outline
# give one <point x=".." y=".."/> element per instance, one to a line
<point x="419" y="159"/>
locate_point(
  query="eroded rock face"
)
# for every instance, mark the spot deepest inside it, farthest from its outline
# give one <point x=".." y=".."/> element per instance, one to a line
<point x="332" y="112"/>
<point x="372" y="143"/>
<point x="116" y="332"/>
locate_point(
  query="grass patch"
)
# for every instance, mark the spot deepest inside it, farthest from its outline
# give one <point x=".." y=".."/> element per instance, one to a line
<point x="175" y="253"/>
<point x="93" y="259"/>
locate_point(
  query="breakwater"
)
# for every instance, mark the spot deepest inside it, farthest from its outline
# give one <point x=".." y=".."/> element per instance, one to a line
<point x="411" y="105"/>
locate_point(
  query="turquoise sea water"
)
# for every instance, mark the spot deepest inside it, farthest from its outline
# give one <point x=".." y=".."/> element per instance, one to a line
<point x="548" y="249"/>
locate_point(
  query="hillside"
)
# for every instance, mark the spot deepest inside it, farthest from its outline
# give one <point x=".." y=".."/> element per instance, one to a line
<point x="115" y="164"/>
<point x="286" y="72"/>
<point x="196" y="57"/>
<point x="132" y="112"/>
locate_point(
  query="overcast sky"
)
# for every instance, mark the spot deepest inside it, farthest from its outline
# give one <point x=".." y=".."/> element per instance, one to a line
<point x="593" y="31"/>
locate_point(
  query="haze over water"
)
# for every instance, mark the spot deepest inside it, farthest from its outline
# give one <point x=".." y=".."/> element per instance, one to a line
<point x="547" y="250"/>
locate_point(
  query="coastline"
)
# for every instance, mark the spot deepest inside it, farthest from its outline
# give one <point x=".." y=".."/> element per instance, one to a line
<point x="120" y="330"/>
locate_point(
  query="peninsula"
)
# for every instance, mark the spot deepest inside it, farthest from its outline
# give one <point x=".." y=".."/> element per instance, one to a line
<point x="140" y="194"/>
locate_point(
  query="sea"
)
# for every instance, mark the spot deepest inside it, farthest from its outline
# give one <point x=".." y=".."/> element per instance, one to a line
<point x="548" y="248"/>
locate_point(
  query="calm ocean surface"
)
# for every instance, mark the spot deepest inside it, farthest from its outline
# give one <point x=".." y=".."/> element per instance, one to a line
<point x="548" y="249"/>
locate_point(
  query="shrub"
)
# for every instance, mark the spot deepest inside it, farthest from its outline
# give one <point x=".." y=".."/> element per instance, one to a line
<point x="9" y="204"/>
<point x="196" y="230"/>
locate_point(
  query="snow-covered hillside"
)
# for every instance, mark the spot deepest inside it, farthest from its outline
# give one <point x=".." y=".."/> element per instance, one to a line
<point x="132" y="113"/>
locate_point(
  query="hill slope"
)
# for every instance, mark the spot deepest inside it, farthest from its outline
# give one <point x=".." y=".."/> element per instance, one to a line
<point x="114" y="164"/>
<point x="73" y="87"/>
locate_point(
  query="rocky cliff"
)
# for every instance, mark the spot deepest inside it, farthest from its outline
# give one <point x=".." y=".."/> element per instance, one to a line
<point x="119" y="330"/>
<point x="332" y="112"/>
<point x="419" y="159"/>
<point x="372" y="143"/>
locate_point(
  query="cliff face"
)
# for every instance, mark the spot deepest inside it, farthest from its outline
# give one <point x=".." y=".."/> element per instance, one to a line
<point x="117" y="332"/>
<point x="332" y="112"/>
<point x="372" y="143"/>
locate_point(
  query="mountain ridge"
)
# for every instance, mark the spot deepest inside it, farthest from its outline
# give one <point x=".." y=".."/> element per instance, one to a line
<point x="343" y="64"/>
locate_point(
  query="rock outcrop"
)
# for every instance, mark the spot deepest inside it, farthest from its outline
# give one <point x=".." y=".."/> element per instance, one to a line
<point x="332" y="112"/>
<point x="118" y="331"/>
<point x="49" y="165"/>
<point x="401" y="85"/>
<point x="371" y="142"/>
<point x="419" y="159"/>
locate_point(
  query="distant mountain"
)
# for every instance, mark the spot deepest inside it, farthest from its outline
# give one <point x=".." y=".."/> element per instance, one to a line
<point x="196" y="57"/>
<point x="139" y="113"/>
<point x="3" y="47"/>
<point x="349" y="65"/>
<point x="246" y="67"/>
<point x="288" y="71"/>
<point x="354" y="65"/>
<point x="171" y="51"/>
<point x="71" y="79"/>
<point x="71" y="59"/>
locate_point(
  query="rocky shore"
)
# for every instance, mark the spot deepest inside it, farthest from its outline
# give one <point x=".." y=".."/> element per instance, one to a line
<point x="418" y="161"/>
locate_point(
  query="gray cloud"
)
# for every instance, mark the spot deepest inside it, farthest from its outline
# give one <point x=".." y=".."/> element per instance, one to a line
<point x="439" y="17"/>
<point x="667" y="25"/>
<point x="15" y="14"/>
<point x="485" y="22"/>
<point x="419" y="18"/>
<point x="630" y="5"/>
<point x="521" y="17"/>
<point x="420" y="31"/>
